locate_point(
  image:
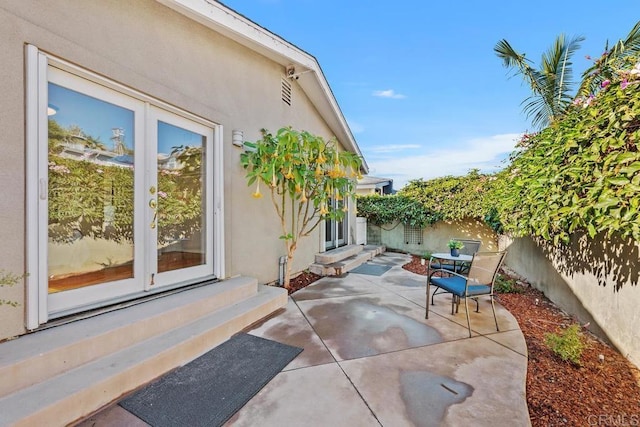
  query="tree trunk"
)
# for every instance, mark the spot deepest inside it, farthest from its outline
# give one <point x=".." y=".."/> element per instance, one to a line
<point x="287" y="273"/>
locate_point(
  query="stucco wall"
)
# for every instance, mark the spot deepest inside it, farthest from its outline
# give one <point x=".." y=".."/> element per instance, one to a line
<point x="153" y="49"/>
<point x="435" y="237"/>
<point x="593" y="279"/>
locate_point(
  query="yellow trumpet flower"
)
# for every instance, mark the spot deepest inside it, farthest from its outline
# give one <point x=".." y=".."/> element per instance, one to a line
<point x="257" y="194"/>
<point x="323" y="209"/>
<point x="288" y="175"/>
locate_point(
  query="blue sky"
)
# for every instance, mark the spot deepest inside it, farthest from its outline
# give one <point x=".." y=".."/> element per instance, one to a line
<point x="418" y="81"/>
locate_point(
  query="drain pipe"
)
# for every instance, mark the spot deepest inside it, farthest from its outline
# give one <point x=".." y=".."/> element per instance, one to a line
<point x="283" y="265"/>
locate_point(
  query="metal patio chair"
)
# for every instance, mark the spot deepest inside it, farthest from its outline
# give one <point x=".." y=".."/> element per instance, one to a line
<point x="478" y="282"/>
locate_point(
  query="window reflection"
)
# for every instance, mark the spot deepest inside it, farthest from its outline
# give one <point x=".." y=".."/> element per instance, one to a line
<point x="90" y="195"/>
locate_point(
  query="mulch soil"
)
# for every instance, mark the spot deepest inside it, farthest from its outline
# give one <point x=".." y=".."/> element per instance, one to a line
<point x="604" y="390"/>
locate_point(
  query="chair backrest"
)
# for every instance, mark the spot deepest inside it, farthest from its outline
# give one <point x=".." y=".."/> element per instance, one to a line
<point x="484" y="267"/>
<point x="470" y="246"/>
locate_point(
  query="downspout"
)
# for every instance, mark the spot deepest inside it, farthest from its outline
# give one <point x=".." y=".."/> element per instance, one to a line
<point x="282" y="268"/>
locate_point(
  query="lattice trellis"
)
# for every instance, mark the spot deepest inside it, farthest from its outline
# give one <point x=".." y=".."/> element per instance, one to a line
<point x="412" y="235"/>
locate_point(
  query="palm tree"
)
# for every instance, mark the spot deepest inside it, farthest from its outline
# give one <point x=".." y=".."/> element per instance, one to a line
<point x="605" y="67"/>
<point x="551" y="84"/>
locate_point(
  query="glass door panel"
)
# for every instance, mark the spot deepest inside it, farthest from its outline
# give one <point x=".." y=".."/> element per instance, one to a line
<point x="341" y="226"/>
<point x="181" y="177"/>
<point x="180" y="202"/>
<point x="329" y="234"/>
<point x="90" y="191"/>
<point x="335" y="231"/>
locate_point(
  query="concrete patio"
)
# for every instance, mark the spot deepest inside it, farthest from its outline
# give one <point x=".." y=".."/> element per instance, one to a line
<point x="370" y="358"/>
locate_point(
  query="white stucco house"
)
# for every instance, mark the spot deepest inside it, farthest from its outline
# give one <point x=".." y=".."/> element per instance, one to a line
<point x="124" y="204"/>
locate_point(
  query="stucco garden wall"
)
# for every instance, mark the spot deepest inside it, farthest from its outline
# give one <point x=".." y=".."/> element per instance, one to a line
<point x="435" y="237"/>
<point x="151" y="48"/>
<point x="595" y="280"/>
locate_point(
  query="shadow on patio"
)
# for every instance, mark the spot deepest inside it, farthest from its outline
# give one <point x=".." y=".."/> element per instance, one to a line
<point x="371" y="358"/>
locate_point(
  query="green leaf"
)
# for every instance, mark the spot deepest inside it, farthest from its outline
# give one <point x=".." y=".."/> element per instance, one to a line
<point x="631" y="169"/>
<point x="618" y="181"/>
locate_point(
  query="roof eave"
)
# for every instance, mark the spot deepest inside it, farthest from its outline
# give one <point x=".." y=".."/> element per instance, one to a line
<point x="233" y="25"/>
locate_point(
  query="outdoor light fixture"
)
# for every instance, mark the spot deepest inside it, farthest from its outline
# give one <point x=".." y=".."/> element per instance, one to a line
<point x="237" y="138"/>
<point x="51" y="110"/>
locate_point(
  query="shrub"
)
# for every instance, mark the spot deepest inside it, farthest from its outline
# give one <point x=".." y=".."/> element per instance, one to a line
<point x="568" y="344"/>
<point x="506" y="285"/>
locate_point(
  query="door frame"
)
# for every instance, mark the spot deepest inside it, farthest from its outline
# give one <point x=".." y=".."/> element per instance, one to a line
<point x="36" y="136"/>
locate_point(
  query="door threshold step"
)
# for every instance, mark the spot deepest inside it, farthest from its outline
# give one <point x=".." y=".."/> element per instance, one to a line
<point x="77" y="393"/>
<point x="35" y="357"/>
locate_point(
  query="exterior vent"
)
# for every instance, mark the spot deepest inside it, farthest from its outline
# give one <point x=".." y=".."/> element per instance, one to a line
<point x="286" y="91"/>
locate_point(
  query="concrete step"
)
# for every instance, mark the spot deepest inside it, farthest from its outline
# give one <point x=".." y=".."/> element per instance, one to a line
<point x="343" y="266"/>
<point x="338" y="254"/>
<point x="35" y="357"/>
<point x="376" y="249"/>
<point x="76" y="393"/>
<point x="339" y="262"/>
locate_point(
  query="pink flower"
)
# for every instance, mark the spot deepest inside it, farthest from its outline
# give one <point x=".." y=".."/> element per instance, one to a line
<point x="623" y="84"/>
<point x="162" y="194"/>
<point x="605" y="83"/>
<point x="588" y="101"/>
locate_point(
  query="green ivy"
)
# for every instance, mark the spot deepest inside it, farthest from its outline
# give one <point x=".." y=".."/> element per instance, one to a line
<point x="580" y="174"/>
<point x="453" y="197"/>
<point x="381" y="210"/>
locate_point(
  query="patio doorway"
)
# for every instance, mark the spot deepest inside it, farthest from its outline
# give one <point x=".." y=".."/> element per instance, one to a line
<point x="125" y="195"/>
<point x="335" y="231"/>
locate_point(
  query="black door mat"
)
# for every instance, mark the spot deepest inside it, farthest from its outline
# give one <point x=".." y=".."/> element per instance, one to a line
<point x="213" y="387"/>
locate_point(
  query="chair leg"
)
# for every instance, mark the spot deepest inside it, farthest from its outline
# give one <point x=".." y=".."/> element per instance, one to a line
<point x="466" y="310"/>
<point x="493" y="307"/>
<point x="434" y="294"/>
<point x="426" y="313"/>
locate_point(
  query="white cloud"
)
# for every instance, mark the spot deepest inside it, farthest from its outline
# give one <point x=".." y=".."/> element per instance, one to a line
<point x="485" y="153"/>
<point x="389" y="93"/>
<point x="393" y="148"/>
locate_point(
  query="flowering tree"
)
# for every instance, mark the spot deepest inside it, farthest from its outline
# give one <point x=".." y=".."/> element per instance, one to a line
<point x="302" y="172"/>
